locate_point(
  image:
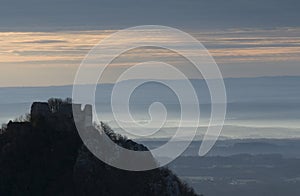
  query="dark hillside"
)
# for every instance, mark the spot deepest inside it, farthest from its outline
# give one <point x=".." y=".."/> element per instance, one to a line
<point x="45" y="156"/>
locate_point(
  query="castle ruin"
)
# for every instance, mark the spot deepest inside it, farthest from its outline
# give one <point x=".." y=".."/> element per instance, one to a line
<point x="66" y="110"/>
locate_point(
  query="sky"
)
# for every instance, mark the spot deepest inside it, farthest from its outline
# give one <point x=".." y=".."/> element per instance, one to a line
<point x="42" y="42"/>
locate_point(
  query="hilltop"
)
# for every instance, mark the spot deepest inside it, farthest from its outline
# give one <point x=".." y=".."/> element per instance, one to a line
<point x="44" y="155"/>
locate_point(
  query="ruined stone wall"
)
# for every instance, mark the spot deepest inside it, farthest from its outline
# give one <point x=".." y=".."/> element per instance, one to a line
<point x="42" y="109"/>
<point x="88" y="113"/>
<point x="39" y="109"/>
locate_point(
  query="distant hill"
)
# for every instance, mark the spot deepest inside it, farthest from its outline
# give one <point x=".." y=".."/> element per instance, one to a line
<point x="239" y="90"/>
<point x="254" y="104"/>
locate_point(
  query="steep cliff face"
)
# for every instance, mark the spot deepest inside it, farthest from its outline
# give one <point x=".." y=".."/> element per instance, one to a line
<point x="47" y="158"/>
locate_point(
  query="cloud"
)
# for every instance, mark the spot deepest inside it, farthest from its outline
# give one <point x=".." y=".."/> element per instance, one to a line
<point x="44" y="42"/>
<point x="239" y="52"/>
<point x="107" y="14"/>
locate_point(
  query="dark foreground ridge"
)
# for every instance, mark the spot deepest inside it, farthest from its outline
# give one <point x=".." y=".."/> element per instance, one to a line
<point x="44" y="155"/>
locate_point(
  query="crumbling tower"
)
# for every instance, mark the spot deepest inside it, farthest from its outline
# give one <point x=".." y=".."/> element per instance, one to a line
<point x="66" y="110"/>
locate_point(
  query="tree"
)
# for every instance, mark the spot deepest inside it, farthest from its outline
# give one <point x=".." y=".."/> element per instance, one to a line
<point x="54" y="104"/>
<point x="68" y="100"/>
<point x="23" y="118"/>
<point x="3" y="128"/>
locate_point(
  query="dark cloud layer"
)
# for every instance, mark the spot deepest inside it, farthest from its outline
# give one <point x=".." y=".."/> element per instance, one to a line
<point x="102" y="14"/>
